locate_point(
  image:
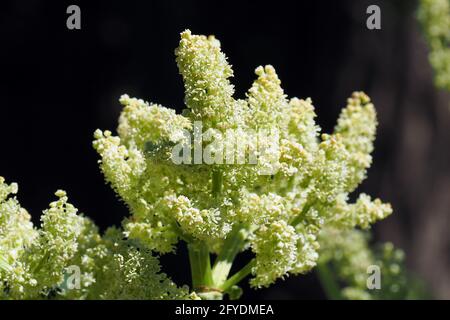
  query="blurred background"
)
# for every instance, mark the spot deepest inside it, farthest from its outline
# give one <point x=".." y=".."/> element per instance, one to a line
<point x="58" y="85"/>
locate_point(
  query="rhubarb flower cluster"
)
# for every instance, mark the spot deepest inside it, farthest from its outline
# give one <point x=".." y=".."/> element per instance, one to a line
<point x="34" y="262"/>
<point x="299" y="184"/>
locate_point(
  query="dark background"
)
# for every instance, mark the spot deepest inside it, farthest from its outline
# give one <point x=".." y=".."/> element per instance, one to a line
<point x="59" y="85"/>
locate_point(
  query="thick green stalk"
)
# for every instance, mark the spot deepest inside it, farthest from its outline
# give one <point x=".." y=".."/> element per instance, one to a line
<point x="328" y="281"/>
<point x="232" y="246"/>
<point x="200" y="265"/>
<point x="202" y="280"/>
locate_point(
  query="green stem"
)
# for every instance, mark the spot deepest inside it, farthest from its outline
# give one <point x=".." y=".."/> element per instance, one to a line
<point x="328" y="281"/>
<point x="4" y="265"/>
<point x="41" y="262"/>
<point x="300" y="216"/>
<point x="216" y="182"/>
<point x="200" y="265"/>
<point x="238" y="276"/>
<point x="232" y="246"/>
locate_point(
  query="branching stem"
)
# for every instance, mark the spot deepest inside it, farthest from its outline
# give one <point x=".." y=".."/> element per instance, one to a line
<point x="232" y="246"/>
<point x="238" y="276"/>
